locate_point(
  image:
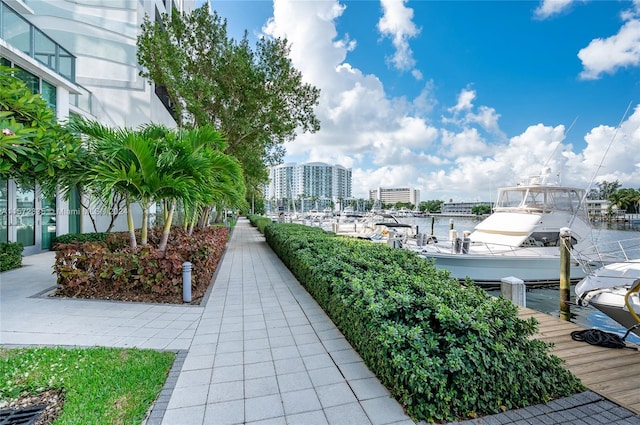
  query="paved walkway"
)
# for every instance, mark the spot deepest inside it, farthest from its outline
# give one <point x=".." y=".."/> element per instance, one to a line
<point x="258" y="351"/>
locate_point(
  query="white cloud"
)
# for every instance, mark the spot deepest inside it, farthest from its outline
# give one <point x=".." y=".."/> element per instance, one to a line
<point x="549" y="8"/>
<point x="397" y="24"/>
<point x="607" y="55"/>
<point x="391" y="141"/>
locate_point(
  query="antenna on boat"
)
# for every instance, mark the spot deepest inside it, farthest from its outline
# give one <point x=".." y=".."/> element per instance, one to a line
<point x="553" y="154"/>
<point x="606" y="151"/>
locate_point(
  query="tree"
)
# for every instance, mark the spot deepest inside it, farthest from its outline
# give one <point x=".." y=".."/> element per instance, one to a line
<point x="432" y="206"/>
<point x="255" y="98"/>
<point x="481" y="209"/>
<point x="605" y="189"/>
<point x="33" y="145"/>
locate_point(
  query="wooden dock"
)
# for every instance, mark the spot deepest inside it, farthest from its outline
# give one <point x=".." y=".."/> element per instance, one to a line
<point x="611" y="372"/>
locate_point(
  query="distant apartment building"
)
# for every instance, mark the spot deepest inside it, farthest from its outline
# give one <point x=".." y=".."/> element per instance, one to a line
<point x="313" y="181"/>
<point x="461" y="208"/>
<point x="393" y="195"/>
<point x="80" y="56"/>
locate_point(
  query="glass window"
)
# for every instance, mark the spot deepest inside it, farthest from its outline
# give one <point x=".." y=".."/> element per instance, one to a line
<point x="32" y="82"/>
<point x="26" y="214"/>
<point x="45" y="49"/>
<point x="16" y="31"/>
<point x="74" y="211"/>
<point x="4" y="204"/>
<point x="49" y="94"/>
<point x="66" y="65"/>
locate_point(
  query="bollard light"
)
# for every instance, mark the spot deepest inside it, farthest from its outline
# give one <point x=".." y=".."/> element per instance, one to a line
<point x="186" y="282"/>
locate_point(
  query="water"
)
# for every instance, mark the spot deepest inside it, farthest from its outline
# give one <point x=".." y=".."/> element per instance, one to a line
<point x="547" y="299"/>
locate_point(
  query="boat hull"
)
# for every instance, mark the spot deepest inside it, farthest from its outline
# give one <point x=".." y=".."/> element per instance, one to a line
<point x="491" y="269"/>
<point x="614" y="308"/>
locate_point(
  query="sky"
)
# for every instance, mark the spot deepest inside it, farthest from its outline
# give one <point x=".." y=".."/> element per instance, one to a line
<point x="458" y="98"/>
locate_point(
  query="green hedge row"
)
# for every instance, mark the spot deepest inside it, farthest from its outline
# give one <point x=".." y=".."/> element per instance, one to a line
<point x="259" y="221"/>
<point x="446" y="351"/>
<point x="10" y="255"/>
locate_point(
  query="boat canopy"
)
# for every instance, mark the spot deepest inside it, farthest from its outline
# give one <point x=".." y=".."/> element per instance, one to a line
<point x="506" y="228"/>
<point x="542" y="199"/>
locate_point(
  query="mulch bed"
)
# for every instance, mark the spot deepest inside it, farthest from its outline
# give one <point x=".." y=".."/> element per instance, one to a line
<point x="53" y="401"/>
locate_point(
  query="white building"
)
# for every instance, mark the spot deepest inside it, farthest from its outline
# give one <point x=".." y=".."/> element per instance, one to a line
<point x="393" y="195"/>
<point x="80" y="55"/>
<point x="313" y="182"/>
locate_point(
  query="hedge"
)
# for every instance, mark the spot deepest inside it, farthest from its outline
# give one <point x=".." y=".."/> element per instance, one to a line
<point x="77" y="238"/>
<point x="10" y="255"/>
<point x="445" y="351"/>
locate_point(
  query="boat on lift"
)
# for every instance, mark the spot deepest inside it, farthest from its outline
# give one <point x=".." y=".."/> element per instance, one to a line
<point x="614" y="289"/>
<point x="521" y="238"/>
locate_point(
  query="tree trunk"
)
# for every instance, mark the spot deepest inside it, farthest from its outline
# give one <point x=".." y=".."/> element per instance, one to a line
<point x="144" y="230"/>
<point x="132" y="230"/>
<point x="167" y="228"/>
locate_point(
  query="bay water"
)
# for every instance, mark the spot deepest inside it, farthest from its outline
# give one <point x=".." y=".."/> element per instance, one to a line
<point x="546" y="299"/>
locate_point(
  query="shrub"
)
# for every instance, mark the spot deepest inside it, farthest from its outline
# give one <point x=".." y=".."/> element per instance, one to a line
<point x="111" y="267"/>
<point x="446" y="351"/>
<point x="10" y="255"/>
<point x="260" y="222"/>
<point x="76" y="238"/>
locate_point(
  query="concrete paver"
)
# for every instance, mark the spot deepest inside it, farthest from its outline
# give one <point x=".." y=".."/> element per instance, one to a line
<point x="259" y="350"/>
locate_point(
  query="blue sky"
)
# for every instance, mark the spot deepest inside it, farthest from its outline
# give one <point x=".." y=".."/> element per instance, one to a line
<point x="457" y="98"/>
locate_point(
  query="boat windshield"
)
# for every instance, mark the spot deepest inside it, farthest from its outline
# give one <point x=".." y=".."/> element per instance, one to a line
<point x="541" y="199"/>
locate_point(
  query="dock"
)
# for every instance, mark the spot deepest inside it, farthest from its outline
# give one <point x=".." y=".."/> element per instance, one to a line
<point x="613" y="373"/>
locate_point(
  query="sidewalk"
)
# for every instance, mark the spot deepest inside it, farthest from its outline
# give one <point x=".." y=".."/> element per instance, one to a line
<point x="258" y="351"/>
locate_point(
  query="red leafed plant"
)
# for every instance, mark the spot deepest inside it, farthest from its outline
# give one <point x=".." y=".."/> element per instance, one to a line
<point x="113" y="270"/>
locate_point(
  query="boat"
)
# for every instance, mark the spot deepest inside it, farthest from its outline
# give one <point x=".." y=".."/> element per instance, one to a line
<point x="614" y="289"/>
<point x="520" y="238"/>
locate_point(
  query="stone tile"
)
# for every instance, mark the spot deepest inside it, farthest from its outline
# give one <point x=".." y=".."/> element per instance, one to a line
<point x="356" y="371"/>
<point x="318" y="361"/>
<point x="195" y="362"/>
<point x="225" y="391"/>
<point x="259" y="370"/>
<point x="229" y="359"/>
<point x="347" y="414"/>
<point x="257" y="356"/>
<point x="292" y="365"/>
<point x="300" y="401"/>
<point x="188" y="396"/>
<point x="365" y="389"/>
<point x="294" y="381"/>
<point x="260" y="387"/>
<point x="224" y="413"/>
<point x="325" y="376"/>
<point x="227" y="374"/>
<point x="316" y="417"/>
<point x="265" y="407"/>
<point x="335" y="395"/>
<point x="284" y="352"/>
<point x="184" y="416"/>
<point x="190" y="378"/>
<point x="383" y="410"/>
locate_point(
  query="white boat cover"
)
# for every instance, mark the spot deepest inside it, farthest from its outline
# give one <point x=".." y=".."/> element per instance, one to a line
<point x="504" y="228"/>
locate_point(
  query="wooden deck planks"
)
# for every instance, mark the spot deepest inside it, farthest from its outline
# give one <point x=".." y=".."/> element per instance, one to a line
<point x="611" y="372"/>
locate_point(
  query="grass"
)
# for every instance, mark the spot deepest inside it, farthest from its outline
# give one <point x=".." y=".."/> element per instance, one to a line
<point x="101" y="385"/>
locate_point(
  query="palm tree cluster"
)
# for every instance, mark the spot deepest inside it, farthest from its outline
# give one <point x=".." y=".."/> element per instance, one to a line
<point x="183" y="168"/>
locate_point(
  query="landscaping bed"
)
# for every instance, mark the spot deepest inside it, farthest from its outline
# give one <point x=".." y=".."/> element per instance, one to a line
<point x="112" y="270"/>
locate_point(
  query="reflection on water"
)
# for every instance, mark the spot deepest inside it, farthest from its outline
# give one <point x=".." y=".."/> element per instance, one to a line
<point x="547" y="300"/>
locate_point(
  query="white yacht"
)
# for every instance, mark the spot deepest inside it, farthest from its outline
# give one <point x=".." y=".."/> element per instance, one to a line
<point x="521" y="238"/>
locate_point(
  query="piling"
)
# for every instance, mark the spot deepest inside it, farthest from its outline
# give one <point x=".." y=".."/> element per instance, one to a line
<point x="565" y="273"/>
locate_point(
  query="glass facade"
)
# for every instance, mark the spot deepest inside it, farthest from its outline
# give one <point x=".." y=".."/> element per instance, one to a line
<point x="20" y="34"/>
<point x="26" y="214"/>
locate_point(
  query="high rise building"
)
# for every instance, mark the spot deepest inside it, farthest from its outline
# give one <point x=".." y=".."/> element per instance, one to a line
<point x="392" y="195"/>
<point x="80" y="55"/>
<point x="316" y="182"/>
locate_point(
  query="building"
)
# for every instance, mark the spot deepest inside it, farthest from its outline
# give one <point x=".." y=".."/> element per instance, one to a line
<point x="80" y="55"/>
<point x="394" y="195"/>
<point x="461" y="208"/>
<point x="308" y="184"/>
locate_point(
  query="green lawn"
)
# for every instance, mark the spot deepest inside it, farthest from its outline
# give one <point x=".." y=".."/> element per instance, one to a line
<point x="101" y="385"/>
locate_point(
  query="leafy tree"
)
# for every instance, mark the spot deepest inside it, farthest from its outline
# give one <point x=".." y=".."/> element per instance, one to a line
<point x="605" y="190"/>
<point x="255" y="98"/>
<point x="626" y="199"/>
<point x="33" y="145"/>
<point x="481" y="209"/>
<point x="433" y="206"/>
